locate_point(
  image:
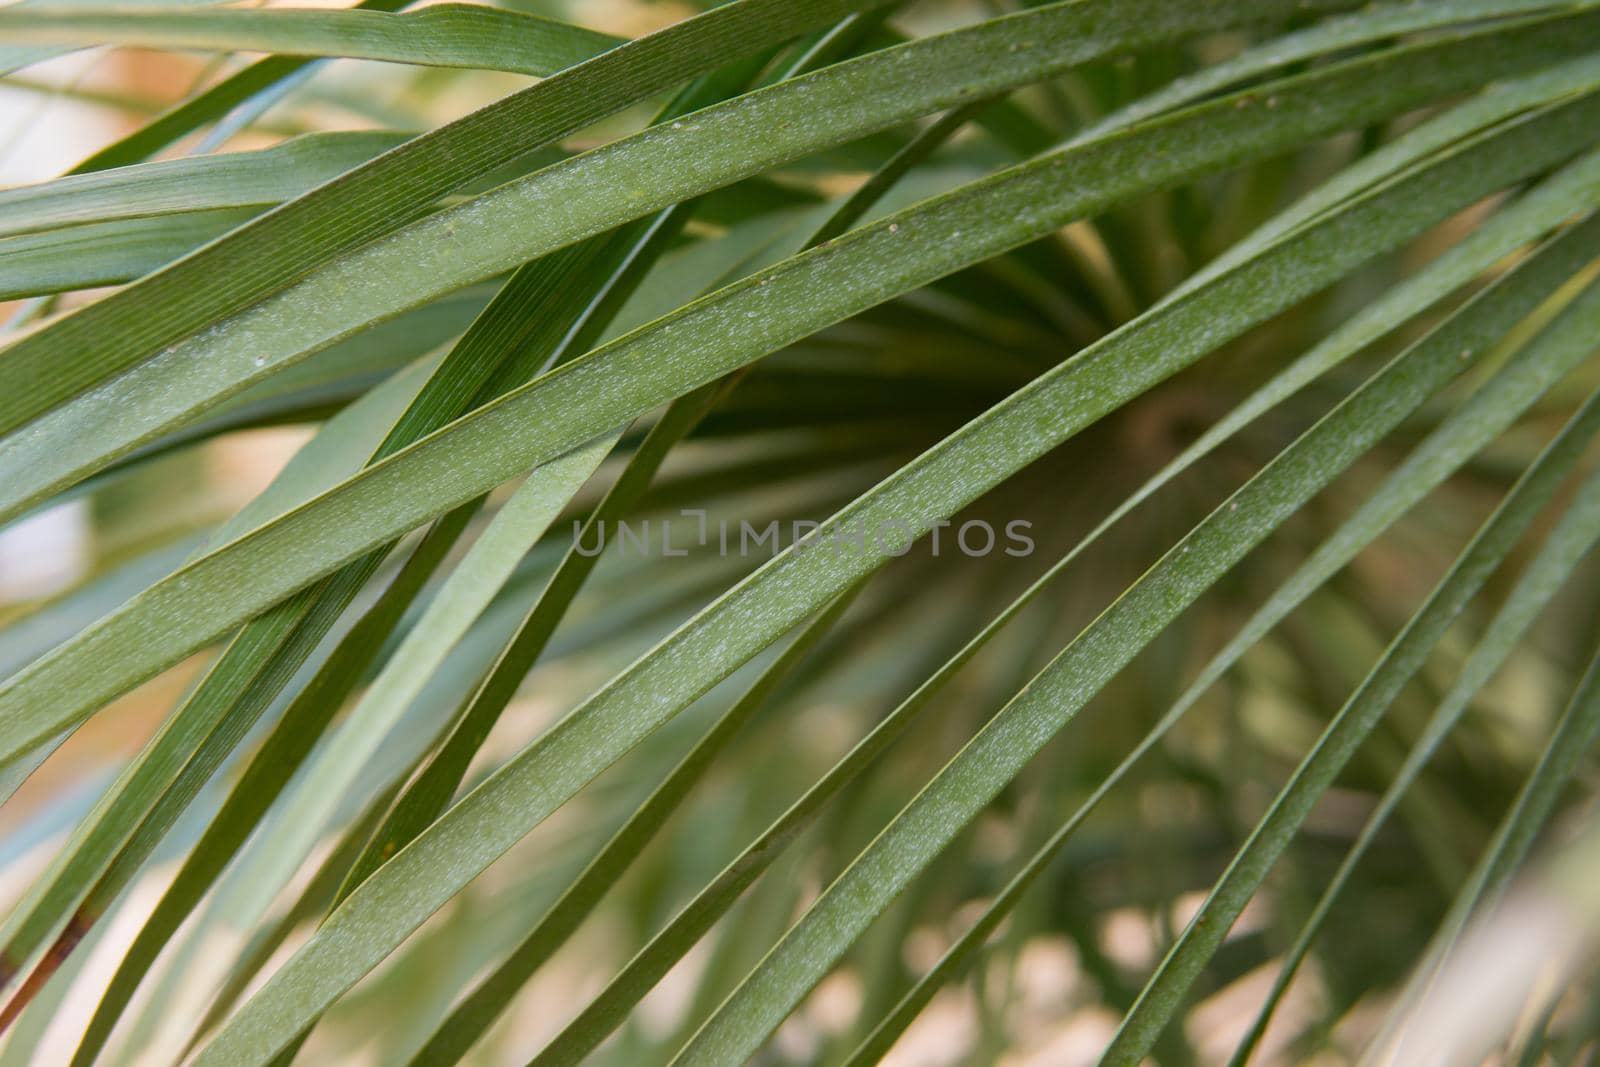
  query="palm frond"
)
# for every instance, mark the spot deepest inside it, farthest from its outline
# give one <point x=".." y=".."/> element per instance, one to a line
<point x="817" y="531"/>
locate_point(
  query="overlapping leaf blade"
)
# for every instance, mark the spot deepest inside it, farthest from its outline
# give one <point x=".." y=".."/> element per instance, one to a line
<point x="978" y="333"/>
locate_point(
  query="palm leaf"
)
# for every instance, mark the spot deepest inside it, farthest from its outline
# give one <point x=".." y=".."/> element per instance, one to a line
<point x="611" y="674"/>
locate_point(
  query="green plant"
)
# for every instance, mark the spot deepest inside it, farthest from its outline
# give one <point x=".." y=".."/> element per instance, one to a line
<point x="1196" y="402"/>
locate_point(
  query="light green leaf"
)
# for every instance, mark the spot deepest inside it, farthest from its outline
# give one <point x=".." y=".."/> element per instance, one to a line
<point x="105" y="253"/>
<point x="485" y="568"/>
<point x="1379" y="23"/>
<point x="14" y="58"/>
<point x="444" y="35"/>
<point x="182" y="186"/>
